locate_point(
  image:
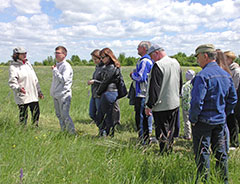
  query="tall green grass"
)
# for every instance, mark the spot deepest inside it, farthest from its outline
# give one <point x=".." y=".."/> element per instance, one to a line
<point x="46" y="155"/>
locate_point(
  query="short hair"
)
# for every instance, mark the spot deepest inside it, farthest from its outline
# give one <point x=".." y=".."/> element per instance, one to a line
<point x="211" y="55"/>
<point x="145" y="44"/>
<point x="96" y="53"/>
<point x="62" y="48"/>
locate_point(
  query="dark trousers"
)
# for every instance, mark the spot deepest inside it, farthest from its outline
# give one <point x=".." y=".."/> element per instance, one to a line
<point x="232" y="124"/>
<point x="165" y="126"/>
<point x="141" y="119"/>
<point x="205" y="135"/>
<point x="23" y="115"/>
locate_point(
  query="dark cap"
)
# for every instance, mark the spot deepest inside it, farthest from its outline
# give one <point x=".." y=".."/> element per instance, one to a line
<point x="204" y="48"/>
<point x="153" y="48"/>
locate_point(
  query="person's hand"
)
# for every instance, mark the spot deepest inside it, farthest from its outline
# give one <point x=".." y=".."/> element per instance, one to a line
<point x="148" y="111"/>
<point x="22" y="90"/>
<point x="131" y="75"/>
<point x="41" y="96"/>
<point x="53" y="66"/>
<point x="90" y="82"/>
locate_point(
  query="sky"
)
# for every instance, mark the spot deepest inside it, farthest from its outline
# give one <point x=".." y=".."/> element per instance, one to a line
<point x="82" y="26"/>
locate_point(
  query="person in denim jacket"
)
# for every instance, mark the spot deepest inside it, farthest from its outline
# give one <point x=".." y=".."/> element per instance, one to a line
<point x="213" y="98"/>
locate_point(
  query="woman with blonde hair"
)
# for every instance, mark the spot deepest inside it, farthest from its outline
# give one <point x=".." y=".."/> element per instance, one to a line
<point x="109" y="77"/>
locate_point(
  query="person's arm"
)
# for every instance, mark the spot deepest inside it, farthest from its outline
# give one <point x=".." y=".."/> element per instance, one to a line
<point x="198" y="94"/>
<point x="155" y="85"/>
<point x="231" y="99"/>
<point x="63" y="76"/>
<point x="108" y="77"/>
<point x="13" y="79"/>
<point x="141" y="74"/>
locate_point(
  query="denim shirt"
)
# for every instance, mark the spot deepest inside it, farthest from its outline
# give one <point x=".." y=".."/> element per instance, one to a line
<point x="213" y="95"/>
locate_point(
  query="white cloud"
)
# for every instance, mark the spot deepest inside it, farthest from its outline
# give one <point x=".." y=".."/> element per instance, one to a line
<point x="86" y="25"/>
<point x="4" y="4"/>
<point x="27" y="6"/>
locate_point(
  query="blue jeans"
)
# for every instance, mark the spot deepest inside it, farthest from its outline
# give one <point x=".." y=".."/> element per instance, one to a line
<point x="62" y="107"/>
<point x="93" y="108"/>
<point x="143" y="122"/>
<point x="205" y="135"/>
<point x="104" y="115"/>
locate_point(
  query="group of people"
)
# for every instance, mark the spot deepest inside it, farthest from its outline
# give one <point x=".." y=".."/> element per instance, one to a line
<point x="24" y="82"/>
<point x="209" y="98"/>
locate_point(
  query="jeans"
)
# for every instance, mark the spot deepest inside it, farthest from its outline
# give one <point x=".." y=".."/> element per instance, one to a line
<point x="23" y="113"/>
<point x="104" y="115"/>
<point x="93" y="108"/>
<point x="205" y="135"/>
<point x="62" y="107"/>
<point x="142" y="121"/>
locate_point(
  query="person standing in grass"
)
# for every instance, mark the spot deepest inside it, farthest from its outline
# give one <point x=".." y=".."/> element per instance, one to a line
<point x="140" y="77"/>
<point x="24" y="82"/>
<point x="234" y="118"/>
<point x="95" y="99"/>
<point x="95" y="82"/>
<point x="186" y="98"/>
<point x="163" y="96"/>
<point x="61" y="89"/>
<point x="213" y="98"/>
<point x="109" y="77"/>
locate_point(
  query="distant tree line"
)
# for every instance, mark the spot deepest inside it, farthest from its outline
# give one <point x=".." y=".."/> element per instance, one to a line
<point x="75" y="60"/>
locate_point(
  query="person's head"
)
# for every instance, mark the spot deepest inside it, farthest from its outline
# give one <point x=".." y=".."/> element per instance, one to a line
<point x="96" y="56"/>
<point x="230" y="57"/>
<point x="222" y="61"/>
<point x="205" y="54"/>
<point x="19" y="53"/>
<point x="60" y="53"/>
<point x="190" y="74"/>
<point x="107" y="57"/>
<point x="156" y="52"/>
<point x="143" y="47"/>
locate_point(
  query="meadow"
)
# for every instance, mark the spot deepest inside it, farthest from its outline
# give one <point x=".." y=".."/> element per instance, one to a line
<point x="44" y="155"/>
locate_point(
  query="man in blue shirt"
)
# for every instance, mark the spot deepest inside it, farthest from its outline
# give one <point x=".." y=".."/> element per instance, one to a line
<point x="213" y="97"/>
<point x="140" y="76"/>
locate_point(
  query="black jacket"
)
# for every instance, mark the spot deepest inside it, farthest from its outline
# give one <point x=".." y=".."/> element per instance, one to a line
<point x="97" y="79"/>
<point x="110" y="74"/>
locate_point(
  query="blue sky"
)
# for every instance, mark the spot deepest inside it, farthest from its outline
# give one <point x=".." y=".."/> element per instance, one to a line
<point x="82" y="26"/>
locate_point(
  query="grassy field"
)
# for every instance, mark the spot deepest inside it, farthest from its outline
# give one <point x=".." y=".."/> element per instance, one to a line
<point x="45" y="155"/>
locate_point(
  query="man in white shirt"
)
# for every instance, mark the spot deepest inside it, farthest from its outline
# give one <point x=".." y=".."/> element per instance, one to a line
<point x="61" y="89"/>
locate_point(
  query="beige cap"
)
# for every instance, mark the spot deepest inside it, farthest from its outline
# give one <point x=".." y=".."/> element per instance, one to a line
<point x="204" y="48"/>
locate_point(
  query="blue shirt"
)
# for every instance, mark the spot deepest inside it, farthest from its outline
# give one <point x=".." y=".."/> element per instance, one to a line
<point x="143" y="68"/>
<point x="213" y="95"/>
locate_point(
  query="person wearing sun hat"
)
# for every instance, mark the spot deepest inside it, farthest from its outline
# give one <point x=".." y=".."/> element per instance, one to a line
<point x="233" y="119"/>
<point x="24" y="83"/>
<point x="213" y="98"/>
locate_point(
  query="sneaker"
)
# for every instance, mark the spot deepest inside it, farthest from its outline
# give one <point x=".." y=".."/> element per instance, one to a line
<point x="232" y="148"/>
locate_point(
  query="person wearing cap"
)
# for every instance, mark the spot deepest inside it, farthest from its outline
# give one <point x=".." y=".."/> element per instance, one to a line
<point x="186" y="98"/>
<point x="233" y="119"/>
<point x="24" y="83"/>
<point x="213" y="98"/>
<point x="140" y="77"/>
<point x="61" y="89"/>
<point x="163" y="96"/>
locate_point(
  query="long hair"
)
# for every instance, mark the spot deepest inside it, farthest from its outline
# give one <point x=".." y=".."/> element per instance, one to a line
<point x="96" y="53"/>
<point x="109" y="53"/>
<point x="222" y="61"/>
